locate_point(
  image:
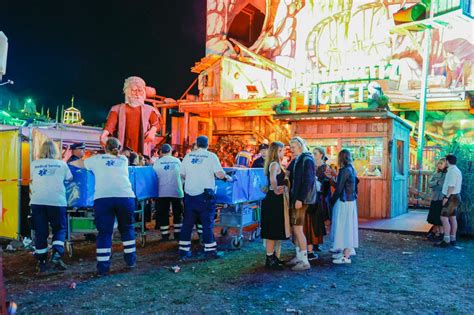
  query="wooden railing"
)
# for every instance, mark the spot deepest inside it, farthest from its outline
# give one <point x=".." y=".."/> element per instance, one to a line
<point x="419" y="197"/>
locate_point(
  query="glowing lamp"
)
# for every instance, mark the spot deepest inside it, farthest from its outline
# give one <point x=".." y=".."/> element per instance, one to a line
<point x="414" y="13"/>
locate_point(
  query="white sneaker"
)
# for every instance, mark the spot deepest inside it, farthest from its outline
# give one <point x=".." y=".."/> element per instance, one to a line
<point x="294" y="261"/>
<point x="301" y="266"/>
<point x="337" y="256"/>
<point x="342" y="260"/>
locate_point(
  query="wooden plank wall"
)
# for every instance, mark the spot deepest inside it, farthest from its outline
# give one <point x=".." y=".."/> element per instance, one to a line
<point x="373" y="199"/>
<point x="374" y="193"/>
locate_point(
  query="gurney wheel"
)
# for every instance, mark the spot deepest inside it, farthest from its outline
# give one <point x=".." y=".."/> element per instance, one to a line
<point x="69" y="248"/>
<point x="237" y="242"/>
<point x="258" y="232"/>
<point x="254" y="235"/>
<point x="224" y="231"/>
<point x="143" y="240"/>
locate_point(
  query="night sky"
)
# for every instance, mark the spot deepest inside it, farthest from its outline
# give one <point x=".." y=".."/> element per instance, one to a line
<point x="87" y="48"/>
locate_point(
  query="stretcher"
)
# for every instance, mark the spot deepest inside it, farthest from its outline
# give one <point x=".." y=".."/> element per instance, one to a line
<point x="80" y="197"/>
<point x="238" y="202"/>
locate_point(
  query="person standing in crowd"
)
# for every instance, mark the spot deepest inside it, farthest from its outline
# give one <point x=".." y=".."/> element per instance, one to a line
<point x="48" y="204"/>
<point x="192" y="147"/>
<point x="113" y="199"/>
<point x="141" y="160"/>
<point x="198" y="225"/>
<point x="78" y="153"/>
<point x="133" y="160"/>
<point x="451" y="202"/>
<point x="77" y="150"/>
<point x="260" y="161"/>
<point x="147" y="160"/>
<point x="344" y="202"/>
<point x="302" y="177"/>
<point x="275" y="220"/>
<point x="170" y="192"/>
<point x="318" y="214"/>
<point x="244" y="157"/>
<point x="199" y="169"/>
<point x="434" y="214"/>
<point x="126" y="151"/>
<point x="154" y="155"/>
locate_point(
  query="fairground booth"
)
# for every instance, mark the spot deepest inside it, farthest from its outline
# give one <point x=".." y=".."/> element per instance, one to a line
<point x="379" y="144"/>
<point x="347" y="59"/>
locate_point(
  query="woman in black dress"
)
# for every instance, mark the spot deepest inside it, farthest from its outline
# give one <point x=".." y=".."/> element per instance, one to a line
<point x="317" y="215"/>
<point x="275" y="220"/>
<point x="434" y="215"/>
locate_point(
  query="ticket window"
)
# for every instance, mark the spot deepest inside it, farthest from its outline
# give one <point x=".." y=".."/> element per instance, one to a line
<point x="367" y="155"/>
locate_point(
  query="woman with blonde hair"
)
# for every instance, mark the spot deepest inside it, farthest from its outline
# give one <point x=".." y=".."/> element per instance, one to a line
<point x="48" y="204"/>
<point x="275" y="221"/>
<point x="113" y="199"/>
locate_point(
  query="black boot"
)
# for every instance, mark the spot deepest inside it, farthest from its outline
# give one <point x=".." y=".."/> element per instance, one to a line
<point x="278" y="260"/>
<point x="272" y="263"/>
<point x="57" y="262"/>
<point x="42" y="267"/>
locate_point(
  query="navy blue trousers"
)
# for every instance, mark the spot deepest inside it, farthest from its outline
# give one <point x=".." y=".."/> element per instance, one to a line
<point x="106" y="211"/>
<point x="163" y="215"/>
<point x="42" y="217"/>
<point x="198" y="207"/>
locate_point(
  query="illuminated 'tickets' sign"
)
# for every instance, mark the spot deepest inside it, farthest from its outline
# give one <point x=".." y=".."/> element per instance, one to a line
<point x="345" y="86"/>
<point x="373" y="72"/>
<point x="336" y="93"/>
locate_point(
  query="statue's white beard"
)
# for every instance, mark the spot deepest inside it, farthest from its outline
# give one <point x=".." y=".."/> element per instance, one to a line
<point x="134" y="102"/>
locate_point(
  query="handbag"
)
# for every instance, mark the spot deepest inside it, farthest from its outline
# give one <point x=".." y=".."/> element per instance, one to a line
<point x="312" y="194"/>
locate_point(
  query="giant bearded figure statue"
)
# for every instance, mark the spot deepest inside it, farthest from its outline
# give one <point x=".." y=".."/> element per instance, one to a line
<point x="134" y="123"/>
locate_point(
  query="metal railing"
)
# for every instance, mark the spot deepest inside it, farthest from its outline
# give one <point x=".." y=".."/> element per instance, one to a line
<point x="444" y="6"/>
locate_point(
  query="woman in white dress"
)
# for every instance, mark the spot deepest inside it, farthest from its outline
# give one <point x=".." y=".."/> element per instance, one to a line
<point x="344" y="201"/>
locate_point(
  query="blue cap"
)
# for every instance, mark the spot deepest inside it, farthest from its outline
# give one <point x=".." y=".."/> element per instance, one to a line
<point x="202" y="142"/>
<point x="263" y="146"/>
<point x="77" y="145"/>
<point x="165" y="148"/>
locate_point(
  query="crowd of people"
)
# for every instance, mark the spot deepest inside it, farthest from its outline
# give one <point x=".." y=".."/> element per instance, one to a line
<point x="301" y="204"/>
<point x="305" y="200"/>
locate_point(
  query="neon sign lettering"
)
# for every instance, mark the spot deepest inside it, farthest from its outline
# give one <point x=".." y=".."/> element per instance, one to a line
<point x="334" y="86"/>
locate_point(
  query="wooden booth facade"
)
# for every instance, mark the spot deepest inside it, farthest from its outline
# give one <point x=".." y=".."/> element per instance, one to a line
<point x="379" y="143"/>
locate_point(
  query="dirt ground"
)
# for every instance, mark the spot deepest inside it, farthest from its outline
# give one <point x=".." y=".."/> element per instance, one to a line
<point x="392" y="273"/>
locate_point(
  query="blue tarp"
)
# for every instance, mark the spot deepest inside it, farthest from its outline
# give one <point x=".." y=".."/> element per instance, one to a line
<point x="80" y="191"/>
<point x="258" y="183"/>
<point x="235" y="191"/>
<point x="145" y="182"/>
<point x="248" y="185"/>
